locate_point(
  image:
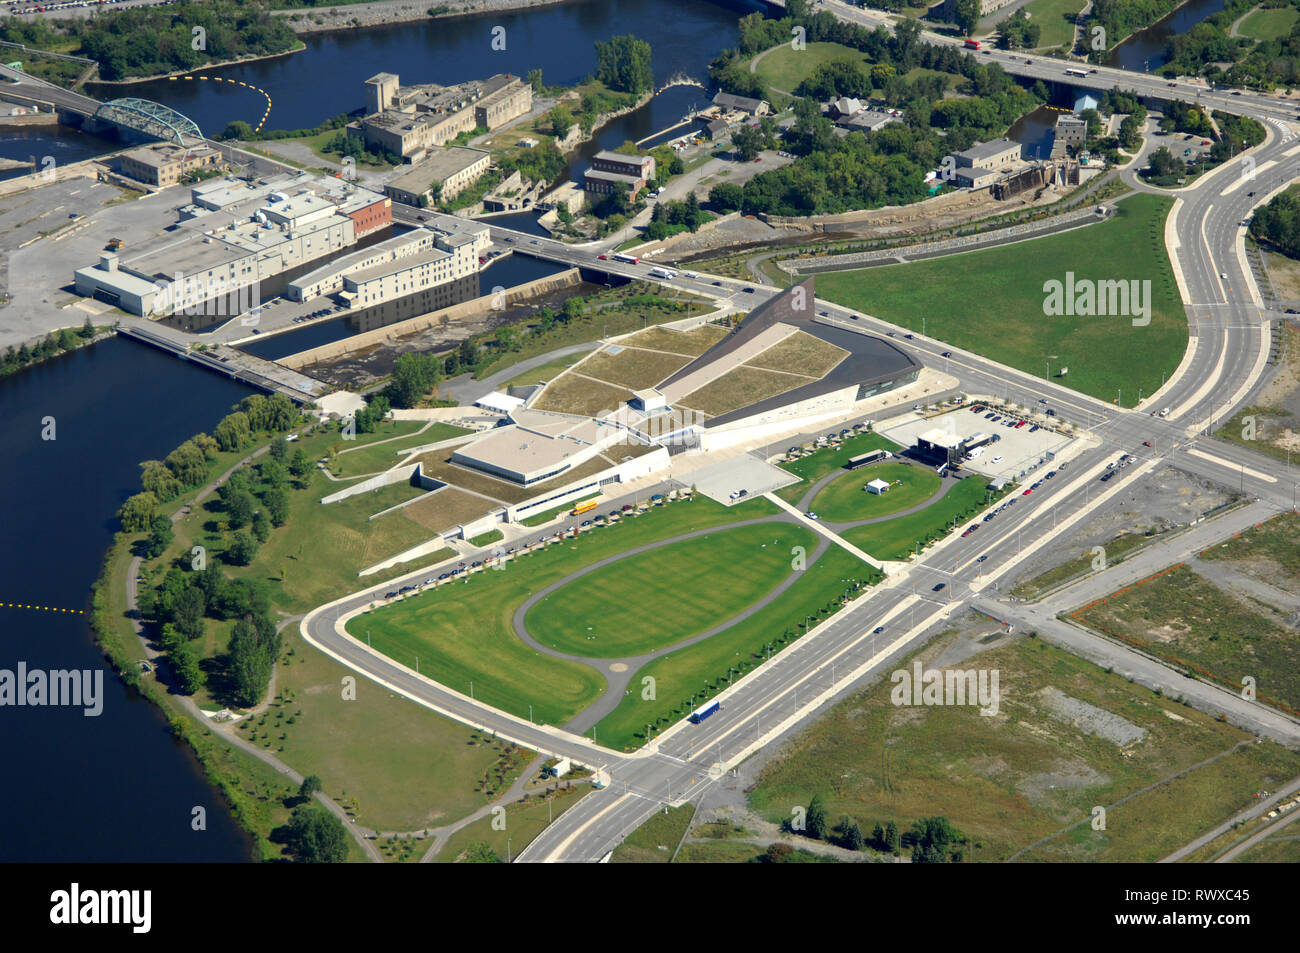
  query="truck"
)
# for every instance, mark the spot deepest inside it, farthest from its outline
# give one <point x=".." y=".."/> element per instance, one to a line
<point x="975" y="440"/>
<point x="971" y="44"/>
<point x="864" y="459"/>
<point x="666" y="273"/>
<point x="115" y="244"/>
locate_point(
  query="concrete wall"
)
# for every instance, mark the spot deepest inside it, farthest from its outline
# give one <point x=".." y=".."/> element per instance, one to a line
<point x="780" y="420"/>
<point x="357" y="342"/>
<point x="401" y="475"/>
<point x="640" y="466"/>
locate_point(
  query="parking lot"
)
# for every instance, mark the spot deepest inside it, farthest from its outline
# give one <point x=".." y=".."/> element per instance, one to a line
<point x="1019" y="452"/>
<point x="746" y="473"/>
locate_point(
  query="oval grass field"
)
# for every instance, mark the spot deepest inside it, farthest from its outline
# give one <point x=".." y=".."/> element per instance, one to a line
<point x="844" y="499"/>
<point x="659" y="598"/>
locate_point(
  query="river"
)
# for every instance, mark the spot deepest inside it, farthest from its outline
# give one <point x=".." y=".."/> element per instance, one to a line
<point x="1147" y="49"/>
<point x="113" y="787"/>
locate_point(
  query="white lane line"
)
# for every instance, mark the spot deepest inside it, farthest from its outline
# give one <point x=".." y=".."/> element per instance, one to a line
<point x="1243" y="179"/>
<point x="1229" y="465"/>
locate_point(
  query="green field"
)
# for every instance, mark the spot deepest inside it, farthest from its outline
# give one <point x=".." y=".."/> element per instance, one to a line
<point x="507" y="673"/>
<point x="1182" y="617"/>
<point x="992" y="302"/>
<point x="655" y="841"/>
<point x="1267" y="25"/>
<point x="1271" y="550"/>
<point x="1056" y="17"/>
<point x="816" y="465"/>
<point x="379" y="457"/>
<point x="363" y="747"/>
<point x="488" y="538"/>
<point x="899" y="538"/>
<point x="1028" y="772"/>
<point x="685" y="678"/>
<point x="544" y="372"/>
<point x="784" y="68"/>
<point x="524" y="820"/>
<point x="659" y="598"/>
<point x="845" y="498"/>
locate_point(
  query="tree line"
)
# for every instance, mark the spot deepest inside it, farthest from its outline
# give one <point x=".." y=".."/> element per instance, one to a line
<point x="931" y="840"/>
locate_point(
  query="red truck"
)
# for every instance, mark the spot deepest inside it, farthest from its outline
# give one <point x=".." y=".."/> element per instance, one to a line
<point x="972" y="44"/>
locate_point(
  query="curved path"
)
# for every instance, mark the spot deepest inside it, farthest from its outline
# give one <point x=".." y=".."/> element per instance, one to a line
<point x="619" y="672"/>
<point x="836" y="527"/>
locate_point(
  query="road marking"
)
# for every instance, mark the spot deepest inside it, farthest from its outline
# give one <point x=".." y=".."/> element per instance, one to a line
<point x="563" y="845"/>
<point x="1235" y="467"/>
<point x="1242" y="179"/>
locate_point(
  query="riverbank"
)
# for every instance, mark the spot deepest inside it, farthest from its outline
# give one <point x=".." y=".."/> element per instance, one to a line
<point x="217" y="64"/>
<point x="383" y="12"/>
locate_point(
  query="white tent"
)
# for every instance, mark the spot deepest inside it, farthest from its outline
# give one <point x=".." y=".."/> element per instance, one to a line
<point x="499" y="402"/>
<point x="877" y="487"/>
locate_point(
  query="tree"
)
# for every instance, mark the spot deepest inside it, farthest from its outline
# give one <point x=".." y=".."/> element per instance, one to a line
<point x="747" y="142"/>
<point x="187" y="608"/>
<point x="316" y="836"/>
<point x="817" y="825"/>
<point x="138" y="512"/>
<point x="300" y="465"/>
<point x="274" y="473"/>
<point x="726" y="197"/>
<point x="242" y="549"/>
<point x="160" y="536"/>
<point x="480" y="852"/>
<point x="261" y="526"/>
<point x="878" y="837"/>
<point x="233" y="432"/>
<point x="851" y="835"/>
<point x="623" y="63"/>
<point x="183" y="656"/>
<point x="778" y="853"/>
<point x="276" y="501"/>
<point x="239" y="509"/>
<point x="310" y="784"/>
<point x="279" y="450"/>
<point x="254" y="647"/>
<point x="891" y="837"/>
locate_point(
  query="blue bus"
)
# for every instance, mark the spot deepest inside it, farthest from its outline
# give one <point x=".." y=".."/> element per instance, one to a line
<point x="703" y="712"/>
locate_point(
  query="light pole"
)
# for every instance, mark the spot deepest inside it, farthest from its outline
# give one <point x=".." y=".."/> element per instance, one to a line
<point x="1048" y="361"/>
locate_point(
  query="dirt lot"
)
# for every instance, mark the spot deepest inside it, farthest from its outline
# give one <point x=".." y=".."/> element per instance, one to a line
<point x="1168" y="499"/>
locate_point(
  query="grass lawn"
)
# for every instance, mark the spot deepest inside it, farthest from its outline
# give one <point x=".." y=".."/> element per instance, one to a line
<point x="1116" y="550"/>
<point x="992" y="302"/>
<point x="317" y="554"/>
<point x="1028" y="772"/>
<point x="655" y="841"/>
<point x="1269" y="24"/>
<point x="444" y="509"/>
<point x="378" y="457"/>
<point x="785" y="68"/>
<point x="576" y="394"/>
<point x="898" y="538"/>
<point x="362" y="749"/>
<point x="524" y="820"/>
<point x="800" y="353"/>
<point x="1183" y="618"/>
<point x="740" y="387"/>
<point x="622" y="609"/>
<point x="813" y="467"/>
<point x="686" y="678"/>
<point x="1056" y="18"/>
<point x="633" y="367"/>
<point x="506" y="673"/>
<point x="845" y="498"/>
<point x="486" y="539"/>
<point x="691" y="343"/>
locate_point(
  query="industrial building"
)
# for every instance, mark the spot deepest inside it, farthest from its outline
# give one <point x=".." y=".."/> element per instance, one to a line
<point x="613" y="172"/>
<point x="446" y="171"/>
<point x="232" y="238"/>
<point x="412" y="120"/>
<point x="984" y="163"/>
<point x="165" y="163"/>
<point x="1070" y="131"/>
<point x="744" y="104"/>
